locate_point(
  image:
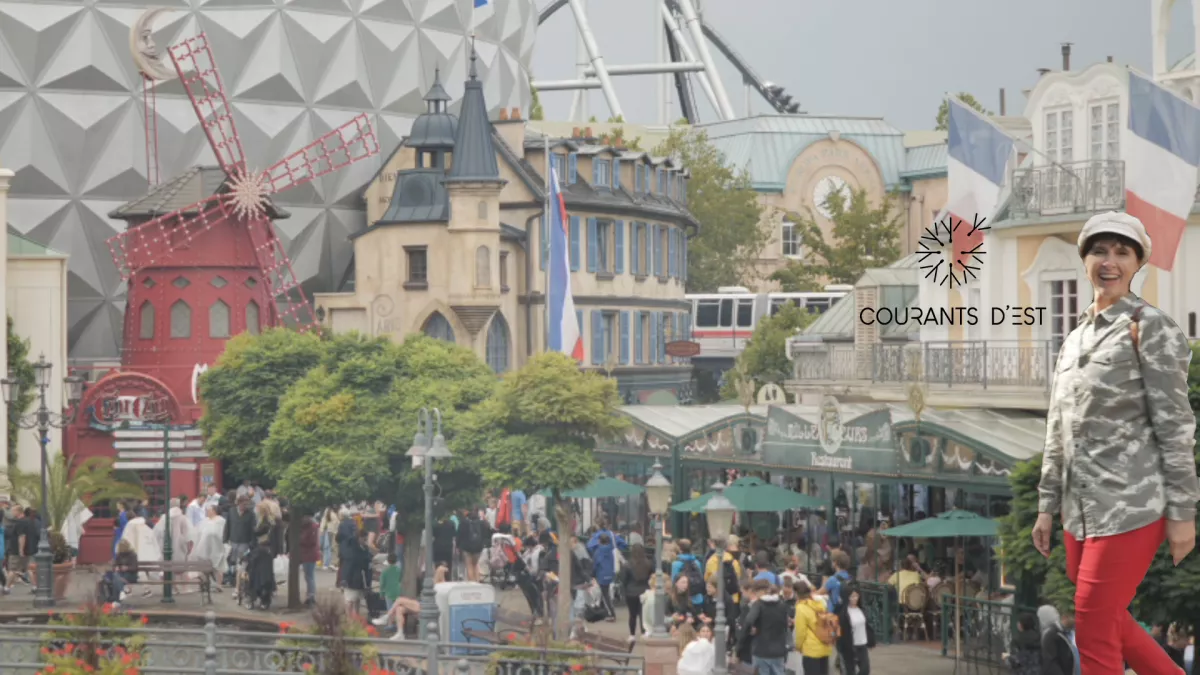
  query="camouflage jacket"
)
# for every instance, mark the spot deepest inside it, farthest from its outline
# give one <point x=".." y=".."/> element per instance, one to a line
<point x="1120" y="432"/>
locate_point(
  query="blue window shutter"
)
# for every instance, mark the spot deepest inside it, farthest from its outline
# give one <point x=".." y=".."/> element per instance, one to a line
<point x="618" y="228"/>
<point x="616" y="174"/>
<point x="624" y="338"/>
<point x="683" y="275"/>
<point x="544" y="237"/>
<point x="637" y="337"/>
<point x="572" y="168"/>
<point x="637" y="177"/>
<point x="597" y="338"/>
<point x="657" y="247"/>
<point x="574" y="243"/>
<point x="653" y="357"/>
<point x="633" y="248"/>
<point x="579" y="320"/>
<point x="662" y="337"/>
<point x="593" y="245"/>
<point x="595" y="171"/>
<point x="671" y="252"/>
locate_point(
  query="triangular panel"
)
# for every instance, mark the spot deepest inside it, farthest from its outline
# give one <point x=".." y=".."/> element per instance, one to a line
<point x="10" y="72"/>
<point x="26" y="215"/>
<point x="391" y="10"/>
<point x="29" y="151"/>
<point x="345" y="78"/>
<point x="34" y="33"/>
<point x="70" y="117"/>
<point x="442" y="14"/>
<point x="270" y="73"/>
<point x="309" y="35"/>
<point x="120" y="168"/>
<point x="11" y="105"/>
<point x="405" y="92"/>
<point x="87" y="62"/>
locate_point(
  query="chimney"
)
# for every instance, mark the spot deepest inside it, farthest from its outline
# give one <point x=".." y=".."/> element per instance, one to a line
<point x="1003" y="108"/>
<point x="1066" y="53"/>
<point x="516" y="114"/>
<point x="1042" y="71"/>
<point x="1110" y="58"/>
<point x="504" y="114"/>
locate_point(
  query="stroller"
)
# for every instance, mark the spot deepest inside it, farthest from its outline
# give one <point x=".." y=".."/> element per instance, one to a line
<point x="241" y="593"/>
<point x="502" y="564"/>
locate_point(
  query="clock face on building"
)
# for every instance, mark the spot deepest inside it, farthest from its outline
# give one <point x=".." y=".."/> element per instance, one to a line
<point x="825" y="187"/>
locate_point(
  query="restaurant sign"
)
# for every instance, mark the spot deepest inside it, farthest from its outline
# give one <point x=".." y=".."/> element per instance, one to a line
<point x="824" y="438"/>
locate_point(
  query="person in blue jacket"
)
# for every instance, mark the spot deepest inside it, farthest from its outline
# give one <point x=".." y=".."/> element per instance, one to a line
<point x="119" y="530"/>
<point x="604" y="568"/>
<point x="685" y="561"/>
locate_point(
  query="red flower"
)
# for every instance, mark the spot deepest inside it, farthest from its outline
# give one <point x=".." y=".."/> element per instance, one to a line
<point x="107" y="609"/>
<point x="512" y="636"/>
<point x="285" y="627"/>
<point x="372" y="631"/>
<point x="577" y="667"/>
<point x="145" y="619"/>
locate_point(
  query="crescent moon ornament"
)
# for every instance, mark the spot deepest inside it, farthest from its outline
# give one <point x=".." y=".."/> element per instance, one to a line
<point x="146" y="55"/>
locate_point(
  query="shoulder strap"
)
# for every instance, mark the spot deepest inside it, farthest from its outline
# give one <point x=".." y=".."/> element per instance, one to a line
<point x="1133" y="326"/>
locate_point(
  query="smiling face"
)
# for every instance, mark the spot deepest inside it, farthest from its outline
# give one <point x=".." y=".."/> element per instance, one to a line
<point x="1111" y="262"/>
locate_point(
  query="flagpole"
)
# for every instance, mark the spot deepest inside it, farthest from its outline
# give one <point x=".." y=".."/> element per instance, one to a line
<point x="548" y="219"/>
<point x="1016" y="141"/>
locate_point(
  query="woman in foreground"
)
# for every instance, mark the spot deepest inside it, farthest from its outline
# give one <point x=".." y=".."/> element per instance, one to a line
<point x="1118" y="463"/>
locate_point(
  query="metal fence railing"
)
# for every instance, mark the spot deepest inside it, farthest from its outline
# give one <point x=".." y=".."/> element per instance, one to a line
<point x="987" y="627"/>
<point x="27" y="648"/>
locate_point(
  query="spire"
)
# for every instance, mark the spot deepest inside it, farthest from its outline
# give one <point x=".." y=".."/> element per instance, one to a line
<point x="437" y="98"/>
<point x="474" y="152"/>
<point x="474" y="56"/>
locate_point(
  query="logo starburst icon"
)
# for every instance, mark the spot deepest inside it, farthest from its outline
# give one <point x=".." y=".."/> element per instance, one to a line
<point x="952" y="251"/>
<point x="248" y="194"/>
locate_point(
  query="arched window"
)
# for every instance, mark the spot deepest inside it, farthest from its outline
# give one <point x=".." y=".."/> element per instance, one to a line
<point x="252" y="325"/>
<point x="218" y="320"/>
<point x="181" y="320"/>
<point x="439" y="328"/>
<point x="146" y="321"/>
<point x="483" y="267"/>
<point x="497" y="344"/>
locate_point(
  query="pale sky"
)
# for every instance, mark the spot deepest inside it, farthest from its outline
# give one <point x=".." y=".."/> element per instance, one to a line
<point x="880" y="58"/>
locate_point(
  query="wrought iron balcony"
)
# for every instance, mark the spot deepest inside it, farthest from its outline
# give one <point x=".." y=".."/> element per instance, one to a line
<point x="1071" y="187"/>
<point x="991" y="364"/>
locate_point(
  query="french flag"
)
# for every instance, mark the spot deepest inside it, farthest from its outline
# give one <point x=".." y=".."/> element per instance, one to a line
<point x="481" y="10"/>
<point x="564" y="327"/>
<point x="1161" y="152"/>
<point x="977" y="162"/>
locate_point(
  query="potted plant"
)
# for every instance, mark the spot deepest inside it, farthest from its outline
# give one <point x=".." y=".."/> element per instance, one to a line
<point x="88" y="482"/>
<point x="345" y="649"/>
<point x="567" y="658"/>
<point x="85" y="642"/>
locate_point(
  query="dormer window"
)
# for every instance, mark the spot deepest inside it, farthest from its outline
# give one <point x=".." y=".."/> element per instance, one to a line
<point x="558" y="165"/>
<point x="662" y="182"/>
<point x="616" y="174"/>
<point x="602" y="175"/>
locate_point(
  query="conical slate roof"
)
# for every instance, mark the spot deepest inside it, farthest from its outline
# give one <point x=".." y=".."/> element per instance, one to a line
<point x="436" y="128"/>
<point x="474" y="153"/>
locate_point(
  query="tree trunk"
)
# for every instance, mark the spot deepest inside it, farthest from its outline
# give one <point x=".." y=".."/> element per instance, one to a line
<point x="562" y="627"/>
<point x="293" y="547"/>
<point x="411" y="564"/>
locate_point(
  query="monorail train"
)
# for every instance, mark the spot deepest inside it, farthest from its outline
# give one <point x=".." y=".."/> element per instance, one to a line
<point x="722" y="322"/>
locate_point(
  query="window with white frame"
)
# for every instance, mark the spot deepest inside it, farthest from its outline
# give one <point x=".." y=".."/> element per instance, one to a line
<point x="1064" y="311"/>
<point x="1104" y="141"/>
<point x="601" y="169"/>
<point x="790" y="240"/>
<point x="1059" y="143"/>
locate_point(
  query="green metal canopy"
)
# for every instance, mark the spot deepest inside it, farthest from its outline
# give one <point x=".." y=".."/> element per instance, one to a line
<point x="753" y="495"/>
<point x="954" y="523"/>
<point x="602" y="488"/>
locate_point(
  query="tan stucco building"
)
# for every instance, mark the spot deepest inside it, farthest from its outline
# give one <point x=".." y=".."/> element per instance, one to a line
<point x="795" y="161"/>
<point x="456" y="247"/>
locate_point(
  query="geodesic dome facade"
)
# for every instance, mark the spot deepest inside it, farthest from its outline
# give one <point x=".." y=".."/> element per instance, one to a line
<point x="71" y="115"/>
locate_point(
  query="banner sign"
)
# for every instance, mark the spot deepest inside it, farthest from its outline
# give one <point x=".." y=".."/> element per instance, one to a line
<point x="824" y="439"/>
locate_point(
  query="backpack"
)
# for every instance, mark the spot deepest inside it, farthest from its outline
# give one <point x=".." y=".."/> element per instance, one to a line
<point x="732" y="586"/>
<point x="472" y="538"/>
<point x="696" y="585"/>
<point x="828" y="628"/>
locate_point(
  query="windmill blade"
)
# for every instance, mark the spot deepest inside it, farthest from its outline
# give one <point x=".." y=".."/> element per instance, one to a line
<point x="198" y="72"/>
<point x="150" y="242"/>
<point x="290" y="306"/>
<point x="349" y="143"/>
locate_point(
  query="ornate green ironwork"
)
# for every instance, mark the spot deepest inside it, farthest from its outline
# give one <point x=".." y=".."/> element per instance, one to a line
<point x="987" y="627"/>
<point x="879" y="603"/>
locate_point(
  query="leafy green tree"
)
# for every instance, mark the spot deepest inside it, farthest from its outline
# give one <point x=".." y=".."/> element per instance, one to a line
<point x="342" y="430"/>
<point x="539" y="431"/>
<point x="535" y="106"/>
<point x="89" y="480"/>
<point x="241" y="394"/>
<point x="1167" y="594"/>
<point x="732" y="228"/>
<point x="765" y="357"/>
<point x="22" y="370"/>
<point x="863" y="237"/>
<point x="943" y="114"/>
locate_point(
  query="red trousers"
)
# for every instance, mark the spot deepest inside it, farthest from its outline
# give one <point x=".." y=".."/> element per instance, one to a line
<point x="1106" y="572"/>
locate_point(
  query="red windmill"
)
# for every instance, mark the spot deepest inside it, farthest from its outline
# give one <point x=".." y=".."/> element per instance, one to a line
<point x="200" y="274"/>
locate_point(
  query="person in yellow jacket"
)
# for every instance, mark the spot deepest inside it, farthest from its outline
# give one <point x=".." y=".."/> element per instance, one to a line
<point x="710" y="567"/>
<point x="814" y="653"/>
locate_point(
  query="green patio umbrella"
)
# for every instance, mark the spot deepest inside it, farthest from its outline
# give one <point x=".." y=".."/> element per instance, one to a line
<point x="955" y="523"/>
<point x="753" y="495"/>
<point x="603" y="487"/>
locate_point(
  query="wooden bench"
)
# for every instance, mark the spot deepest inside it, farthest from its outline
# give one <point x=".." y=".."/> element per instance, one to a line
<point x="204" y="575"/>
<point x="605" y="644"/>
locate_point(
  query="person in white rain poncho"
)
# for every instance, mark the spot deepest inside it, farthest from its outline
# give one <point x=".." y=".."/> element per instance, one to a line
<point x="209" y="544"/>
<point x="141" y="538"/>
<point x="183" y="537"/>
<point x="72" y="527"/>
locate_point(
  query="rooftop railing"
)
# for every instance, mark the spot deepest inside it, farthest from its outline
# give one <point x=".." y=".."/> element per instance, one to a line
<point x="1068" y="187"/>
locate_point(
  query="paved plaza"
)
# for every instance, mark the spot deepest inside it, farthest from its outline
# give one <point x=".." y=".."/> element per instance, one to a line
<point x="886" y="660"/>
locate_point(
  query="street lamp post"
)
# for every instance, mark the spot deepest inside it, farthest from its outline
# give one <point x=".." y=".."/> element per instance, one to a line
<point x="719" y="511"/>
<point x="658" y="494"/>
<point x="43" y="419"/>
<point x="428" y="445"/>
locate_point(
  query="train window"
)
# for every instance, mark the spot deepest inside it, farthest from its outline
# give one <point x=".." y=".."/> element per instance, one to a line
<point x="745" y="313"/>
<point x="726" y="312"/>
<point x="817" y="305"/>
<point x="708" y="313"/>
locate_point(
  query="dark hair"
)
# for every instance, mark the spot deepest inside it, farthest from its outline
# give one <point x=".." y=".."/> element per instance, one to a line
<point x="391" y="558"/>
<point x="605" y="540"/>
<point x="1027" y="621"/>
<point x="801" y="590"/>
<point x="639" y="562"/>
<point x="762" y="560"/>
<point x="685" y="546"/>
<point x="1118" y="238"/>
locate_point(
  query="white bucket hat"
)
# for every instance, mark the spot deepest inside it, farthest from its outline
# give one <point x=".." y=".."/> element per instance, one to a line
<point x="1115" y="222"/>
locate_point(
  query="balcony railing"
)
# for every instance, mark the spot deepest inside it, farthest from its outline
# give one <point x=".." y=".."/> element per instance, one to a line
<point x="1071" y="187"/>
<point x="966" y="364"/>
